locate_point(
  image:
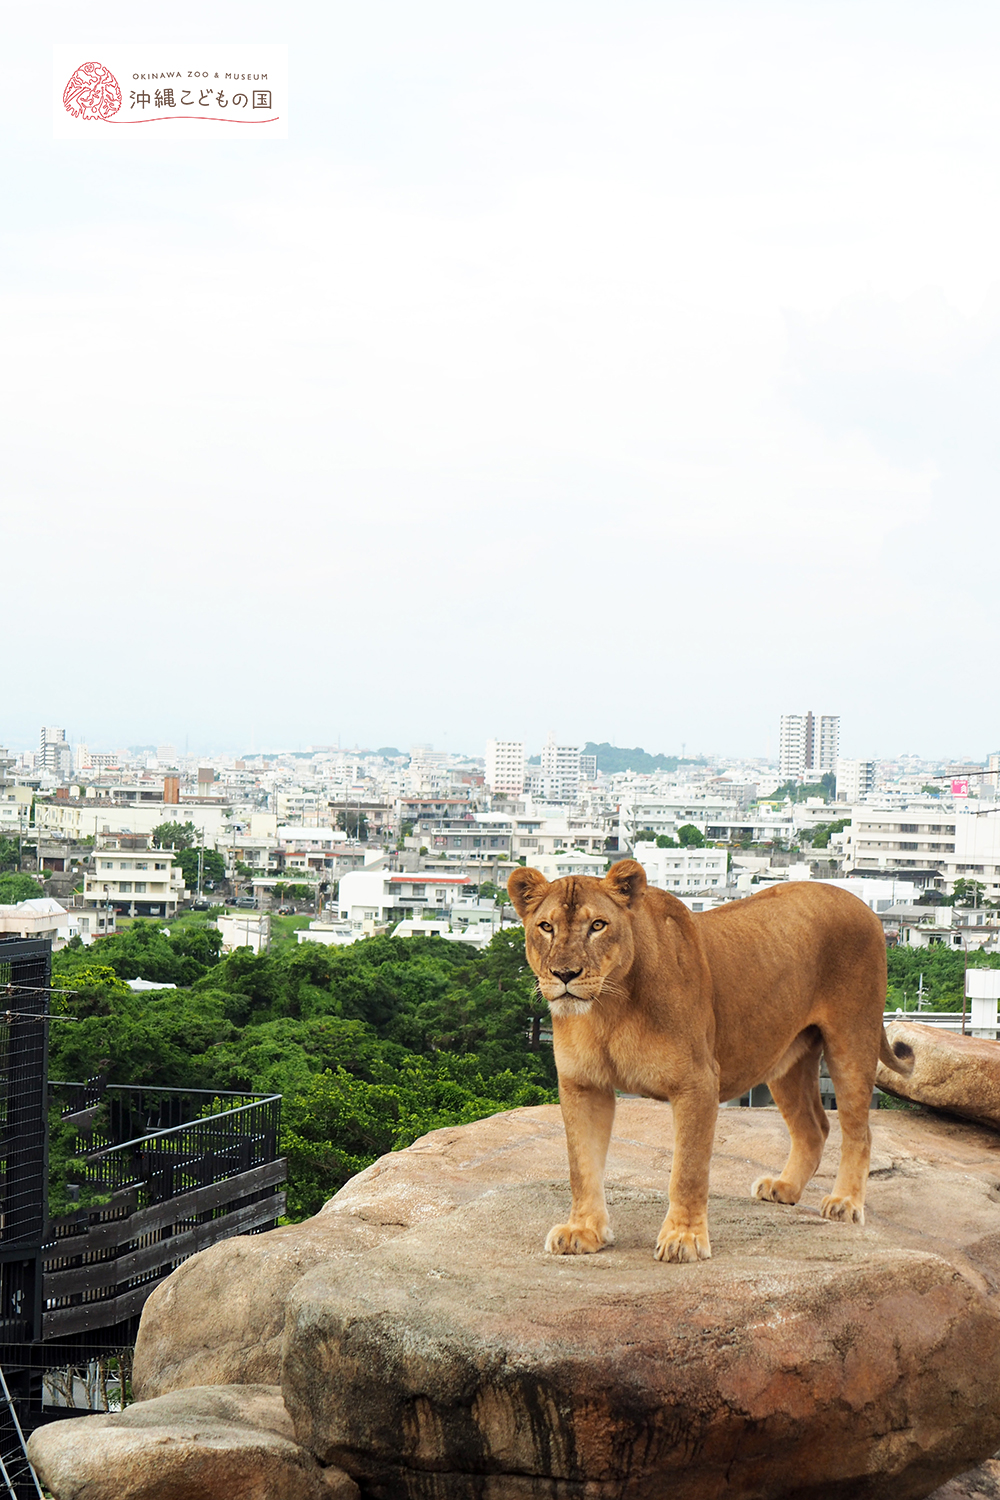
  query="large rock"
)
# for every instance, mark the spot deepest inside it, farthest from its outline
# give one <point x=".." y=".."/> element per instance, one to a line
<point x="432" y="1349"/>
<point x="960" y="1074"/>
<point x="221" y="1443"/>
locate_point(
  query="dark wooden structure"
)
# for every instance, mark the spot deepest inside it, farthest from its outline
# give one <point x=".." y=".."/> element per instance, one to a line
<point x="160" y="1174"/>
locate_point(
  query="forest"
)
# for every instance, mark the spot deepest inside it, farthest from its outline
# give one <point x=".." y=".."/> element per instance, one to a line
<point x="370" y="1045"/>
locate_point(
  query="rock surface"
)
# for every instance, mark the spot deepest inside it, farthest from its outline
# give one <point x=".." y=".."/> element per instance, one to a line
<point x="807" y="1359"/>
<point x="960" y="1074"/>
<point x="218" y="1443"/>
<point x="980" y="1484"/>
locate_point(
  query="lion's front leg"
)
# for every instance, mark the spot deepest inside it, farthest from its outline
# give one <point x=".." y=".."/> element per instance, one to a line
<point x="588" y="1114"/>
<point x="684" y="1233"/>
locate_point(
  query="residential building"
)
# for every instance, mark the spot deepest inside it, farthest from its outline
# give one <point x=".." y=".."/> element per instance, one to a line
<point x="808" y="745"/>
<point x="133" y="879"/>
<point x="855" y="779"/>
<point x="55" y="755"/>
<point x="379" y="896"/>
<point x="504" y="773"/>
<point x="560" y="770"/>
<point x="245" y="929"/>
<point x="683" y="871"/>
<point x="568" y="862"/>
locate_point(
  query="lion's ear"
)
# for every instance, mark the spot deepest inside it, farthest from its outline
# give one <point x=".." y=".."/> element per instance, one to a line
<point x="626" y="882"/>
<point x="526" y="888"/>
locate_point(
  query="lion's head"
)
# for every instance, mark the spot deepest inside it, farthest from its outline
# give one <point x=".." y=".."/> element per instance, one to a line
<point x="577" y="931"/>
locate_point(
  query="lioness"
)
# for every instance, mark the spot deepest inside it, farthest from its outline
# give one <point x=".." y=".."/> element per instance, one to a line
<point x="647" y="998"/>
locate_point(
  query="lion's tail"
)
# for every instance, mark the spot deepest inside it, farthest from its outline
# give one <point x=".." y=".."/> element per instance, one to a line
<point x="896" y="1055"/>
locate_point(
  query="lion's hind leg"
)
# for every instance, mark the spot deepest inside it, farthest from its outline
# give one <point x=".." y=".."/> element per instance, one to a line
<point x="852" y="1069"/>
<point x="795" y="1087"/>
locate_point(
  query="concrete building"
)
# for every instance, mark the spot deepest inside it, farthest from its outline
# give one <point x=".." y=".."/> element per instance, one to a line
<point x="504" y="773"/>
<point x="561" y="770"/>
<point x="373" y="897"/>
<point x="55" y="755"/>
<point x="808" y="745"/>
<point x="855" y="779"/>
<point x="568" y="862"/>
<point x="133" y="881"/>
<point x="683" y="871"/>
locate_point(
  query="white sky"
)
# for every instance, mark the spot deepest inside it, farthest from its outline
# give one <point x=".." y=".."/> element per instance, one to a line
<point x="629" y="370"/>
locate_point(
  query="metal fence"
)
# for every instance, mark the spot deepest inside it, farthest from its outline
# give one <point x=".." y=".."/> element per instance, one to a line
<point x="156" y="1197"/>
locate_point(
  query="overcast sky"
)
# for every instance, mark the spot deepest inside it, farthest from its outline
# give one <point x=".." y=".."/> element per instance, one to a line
<point x="627" y="370"/>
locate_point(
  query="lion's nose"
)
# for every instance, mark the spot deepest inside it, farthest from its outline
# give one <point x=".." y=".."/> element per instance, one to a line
<point x="567" y="974"/>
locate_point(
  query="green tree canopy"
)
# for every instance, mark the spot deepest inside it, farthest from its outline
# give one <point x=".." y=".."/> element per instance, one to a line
<point x="213" y="867"/>
<point x="15" y="888"/>
<point x="174" y="835"/>
<point x="690" y="837"/>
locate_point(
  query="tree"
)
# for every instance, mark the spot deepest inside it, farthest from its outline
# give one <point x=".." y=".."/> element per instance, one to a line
<point x="213" y="866"/>
<point x="690" y="837"/>
<point x="822" y="831"/>
<point x="174" y="835"/>
<point x="967" y="893"/>
<point x="15" y="888"/>
<point x="663" y="841"/>
<point x="8" y="854"/>
<point x="354" y="823"/>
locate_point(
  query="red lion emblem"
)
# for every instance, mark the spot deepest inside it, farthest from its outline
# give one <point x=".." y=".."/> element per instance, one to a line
<point x="93" y="93"/>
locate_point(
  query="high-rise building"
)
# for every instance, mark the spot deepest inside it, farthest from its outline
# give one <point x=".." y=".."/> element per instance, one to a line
<point x="561" y="770"/>
<point x="504" y="773"/>
<point x="855" y="779"/>
<point x="808" y="745"/>
<point x="54" y="753"/>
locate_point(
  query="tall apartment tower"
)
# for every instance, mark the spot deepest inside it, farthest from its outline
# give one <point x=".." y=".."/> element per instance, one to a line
<point x="504" y="773"/>
<point x="561" y="770"/>
<point x="808" y="745"/>
<point x="54" y="753"/>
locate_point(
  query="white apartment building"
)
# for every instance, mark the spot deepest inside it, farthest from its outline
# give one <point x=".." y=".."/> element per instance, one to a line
<point x="683" y="871"/>
<point x="900" y="838"/>
<point x="568" y="862"/>
<point x="504" y="774"/>
<point x="372" y="897"/>
<point x="134" y="882"/>
<point x="855" y="779"/>
<point x="533" y="836"/>
<point x="808" y="745"/>
<point x="560" y="770"/>
<point x="55" y="755"/>
<point x="959" y="845"/>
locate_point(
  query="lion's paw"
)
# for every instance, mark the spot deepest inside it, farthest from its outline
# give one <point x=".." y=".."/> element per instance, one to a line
<point x="844" y="1209"/>
<point x="578" y="1239"/>
<point x="683" y="1244"/>
<point x="774" y="1190"/>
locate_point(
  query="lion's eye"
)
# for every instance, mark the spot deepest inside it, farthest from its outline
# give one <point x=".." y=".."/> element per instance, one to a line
<point x="545" y="926"/>
<point x="598" y="926"/>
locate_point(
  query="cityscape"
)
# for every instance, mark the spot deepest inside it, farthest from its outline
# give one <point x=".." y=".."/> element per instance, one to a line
<point x="420" y="841"/>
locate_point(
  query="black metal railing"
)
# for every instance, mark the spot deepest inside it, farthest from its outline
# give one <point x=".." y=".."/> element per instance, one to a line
<point x="155" y="1197"/>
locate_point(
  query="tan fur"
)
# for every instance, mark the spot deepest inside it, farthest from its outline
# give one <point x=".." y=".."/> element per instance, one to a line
<point x="696" y="1009"/>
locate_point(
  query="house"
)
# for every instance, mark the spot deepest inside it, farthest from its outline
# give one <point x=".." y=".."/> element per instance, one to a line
<point x="40" y="917"/>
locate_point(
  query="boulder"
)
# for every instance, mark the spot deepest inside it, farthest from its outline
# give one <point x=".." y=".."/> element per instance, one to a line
<point x="433" y="1350"/>
<point x="216" y="1443"/>
<point x="982" y="1483"/>
<point x="960" y="1074"/>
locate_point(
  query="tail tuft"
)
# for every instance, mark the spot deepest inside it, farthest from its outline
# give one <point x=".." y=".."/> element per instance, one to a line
<point x="898" y="1055"/>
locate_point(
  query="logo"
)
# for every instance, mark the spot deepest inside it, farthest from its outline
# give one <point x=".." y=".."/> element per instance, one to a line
<point x="172" y="90"/>
<point x="92" y="93"/>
